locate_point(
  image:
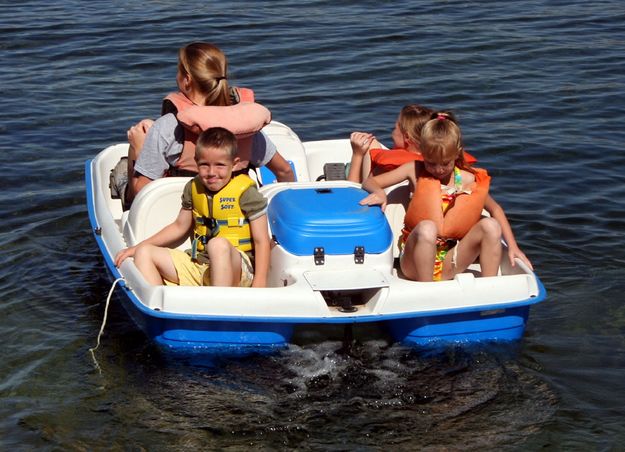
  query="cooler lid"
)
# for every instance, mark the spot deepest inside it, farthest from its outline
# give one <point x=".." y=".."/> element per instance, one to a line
<point x="332" y="218"/>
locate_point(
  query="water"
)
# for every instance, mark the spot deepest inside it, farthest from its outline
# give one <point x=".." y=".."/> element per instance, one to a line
<point x="539" y="90"/>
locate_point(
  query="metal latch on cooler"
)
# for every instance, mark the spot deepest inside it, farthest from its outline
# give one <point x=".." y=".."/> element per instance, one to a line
<point x="359" y="255"/>
<point x="319" y="255"/>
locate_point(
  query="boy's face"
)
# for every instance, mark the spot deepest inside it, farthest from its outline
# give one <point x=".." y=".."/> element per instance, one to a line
<point x="215" y="168"/>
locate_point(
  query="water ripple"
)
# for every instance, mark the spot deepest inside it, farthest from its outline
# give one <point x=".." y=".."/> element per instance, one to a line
<point x="539" y="91"/>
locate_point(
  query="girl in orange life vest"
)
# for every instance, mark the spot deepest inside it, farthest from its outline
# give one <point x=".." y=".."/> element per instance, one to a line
<point x="368" y="156"/>
<point x="443" y="228"/>
<point x="155" y="147"/>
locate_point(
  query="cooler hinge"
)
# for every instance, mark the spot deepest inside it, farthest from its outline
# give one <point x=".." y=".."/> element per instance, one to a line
<point x="319" y="255"/>
<point x="359" y="255"/>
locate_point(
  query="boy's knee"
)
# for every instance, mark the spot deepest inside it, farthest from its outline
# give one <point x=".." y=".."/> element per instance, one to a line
<point x="218" y="246"/>
<point x="144" y="253"/>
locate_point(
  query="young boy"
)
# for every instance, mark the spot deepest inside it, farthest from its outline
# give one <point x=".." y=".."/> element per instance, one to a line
<point x="226" y="218"/>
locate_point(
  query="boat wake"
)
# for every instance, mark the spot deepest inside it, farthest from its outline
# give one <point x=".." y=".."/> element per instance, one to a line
<point x="318" y="396"/>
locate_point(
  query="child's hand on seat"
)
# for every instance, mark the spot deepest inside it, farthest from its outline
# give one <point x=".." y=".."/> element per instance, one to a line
<point x="124" y="254"/>
<point x="515" y="252"/>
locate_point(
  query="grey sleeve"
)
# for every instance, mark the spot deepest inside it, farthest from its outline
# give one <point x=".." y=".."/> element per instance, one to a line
<point x="263" y="150"/>
<point x="253" y="203"/>
<point x="162" y="147"/>
<point x="187" y="196"/>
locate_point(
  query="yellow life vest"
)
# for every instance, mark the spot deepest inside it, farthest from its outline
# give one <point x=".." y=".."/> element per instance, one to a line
<point x="224" y="217"/>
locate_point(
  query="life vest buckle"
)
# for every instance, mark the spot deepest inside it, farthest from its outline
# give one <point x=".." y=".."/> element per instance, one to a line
<point x="214" y="227"/>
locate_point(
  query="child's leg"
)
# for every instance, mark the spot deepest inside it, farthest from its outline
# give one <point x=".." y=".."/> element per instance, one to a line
<point x="483" y="240"/>
<point x="225" y="262"/>
<point x="417" y="262"/>
<point x="155" y="263"/>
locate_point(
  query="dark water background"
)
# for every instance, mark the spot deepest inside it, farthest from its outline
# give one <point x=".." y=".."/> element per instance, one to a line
<point x="539" y="90"/>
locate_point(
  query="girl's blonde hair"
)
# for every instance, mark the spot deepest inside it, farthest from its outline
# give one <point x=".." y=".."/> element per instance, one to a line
<point x="411" y="120"/>
<point x="208" y="68"/>
<point x="441" y="140"/>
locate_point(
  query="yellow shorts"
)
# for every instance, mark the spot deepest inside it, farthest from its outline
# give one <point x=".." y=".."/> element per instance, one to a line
<point x="191" y="273"/>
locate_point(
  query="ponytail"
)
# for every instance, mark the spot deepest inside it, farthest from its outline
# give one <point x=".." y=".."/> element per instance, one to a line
<point x="207" y="66"/>
<point x="441" y="140"/>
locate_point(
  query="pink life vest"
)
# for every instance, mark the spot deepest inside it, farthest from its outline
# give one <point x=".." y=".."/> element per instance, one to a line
<point x="243" y="119"/>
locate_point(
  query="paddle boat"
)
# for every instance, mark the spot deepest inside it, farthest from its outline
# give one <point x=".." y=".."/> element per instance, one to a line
<point x="334" y="262"/>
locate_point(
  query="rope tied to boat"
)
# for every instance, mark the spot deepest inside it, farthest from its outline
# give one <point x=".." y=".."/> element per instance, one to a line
<point x="106" y="308"/>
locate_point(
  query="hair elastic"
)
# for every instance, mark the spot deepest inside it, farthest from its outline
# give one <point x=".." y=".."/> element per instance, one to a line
<point x="441" y="117"/>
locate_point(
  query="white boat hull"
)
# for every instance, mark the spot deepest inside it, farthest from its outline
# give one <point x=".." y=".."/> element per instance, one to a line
<point x="302" y="291"/>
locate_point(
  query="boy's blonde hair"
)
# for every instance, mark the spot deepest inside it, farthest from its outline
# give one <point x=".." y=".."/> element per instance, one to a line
<point x="208" y="68"/>
<point x="219" y="138"/>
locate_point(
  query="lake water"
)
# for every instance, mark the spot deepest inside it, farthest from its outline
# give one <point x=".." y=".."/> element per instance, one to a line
<point x="539" y="89"/>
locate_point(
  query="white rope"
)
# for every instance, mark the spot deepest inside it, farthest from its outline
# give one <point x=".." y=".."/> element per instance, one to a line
<point x="106" y="308"/>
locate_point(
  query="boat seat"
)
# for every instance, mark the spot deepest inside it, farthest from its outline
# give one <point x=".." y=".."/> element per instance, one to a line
<point x="156" y="205"/>
<point x="290" y="147"/>
<point x="398" y="197"/>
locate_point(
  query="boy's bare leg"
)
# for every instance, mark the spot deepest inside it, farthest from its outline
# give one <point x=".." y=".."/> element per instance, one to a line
<point x="225" y="262"/>
<point x="155" y="264"/>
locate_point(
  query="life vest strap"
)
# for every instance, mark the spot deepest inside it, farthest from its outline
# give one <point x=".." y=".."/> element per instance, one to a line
<point x="232" y="222"/>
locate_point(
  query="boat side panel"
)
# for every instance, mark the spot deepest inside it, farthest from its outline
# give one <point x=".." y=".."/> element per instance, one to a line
<point x="290" y="147"/>
<point x="492" y="325"/>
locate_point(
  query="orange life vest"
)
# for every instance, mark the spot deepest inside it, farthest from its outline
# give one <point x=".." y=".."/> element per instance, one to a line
<point x="459" y="218"/>
<point x="243" y="119"/>
<point x="384" y="160"/>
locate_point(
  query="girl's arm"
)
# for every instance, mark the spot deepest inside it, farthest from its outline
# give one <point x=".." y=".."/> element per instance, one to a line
<point x="360" y="165"/>
<point x="376" y="184"/>
<point x="498" y="214"/>
<point x="172" y="234"/>
<point x="281" y="168"/>
<point x="260" y="235"/>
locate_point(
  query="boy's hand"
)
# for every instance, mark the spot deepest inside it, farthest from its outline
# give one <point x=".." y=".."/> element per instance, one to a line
<point x="123" y="254"/>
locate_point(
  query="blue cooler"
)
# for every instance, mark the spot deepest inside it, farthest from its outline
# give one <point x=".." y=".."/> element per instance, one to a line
<point x="305" y="220"/>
